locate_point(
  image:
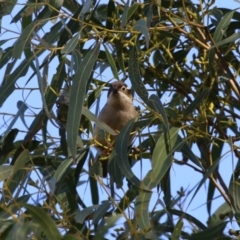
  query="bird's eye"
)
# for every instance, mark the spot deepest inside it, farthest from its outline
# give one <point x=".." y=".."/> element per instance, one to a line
<point x="123" y="88"/>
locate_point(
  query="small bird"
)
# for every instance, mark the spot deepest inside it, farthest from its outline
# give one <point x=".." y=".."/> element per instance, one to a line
<point x="117" y="112"/>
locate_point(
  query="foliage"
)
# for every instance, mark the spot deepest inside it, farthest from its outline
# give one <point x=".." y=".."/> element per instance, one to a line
<point x="177" y="52"/>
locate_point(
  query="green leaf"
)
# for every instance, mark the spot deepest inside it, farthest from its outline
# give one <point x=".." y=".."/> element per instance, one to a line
<point x="209" y="233"/>
<point x="110" y="14"/>
<point x="9" y="87"/>
<point x="7" y="142"/>
<point x="210" y="170"/>
<point x="63" y="170"/>
<point x="230" y="39"/>
<point x="94" y="190"/>
<point x="198" y="100"/>
<point x="13" y="207"/>
<point x="121" y="146"/>
<point x="7" y="55"/>
<point x="114" y="169"/>
<point x="101" y="211"/>
<point x="69" y="237"/>
<point x="111" y="63"/>
<point x="177" y="230"/>
<point x="132" y="10"/>
<point x="135" y="76"/>
<point x="220" y="214"/>
<point x="157" y="106"/>
<point x="127" y="199"/>
<point x="222" y="26"/>
<point x="77" y="96"/>
<point x="109" y="223"/>
<point x="86" y="7"/>
<point x="21" y="161"/>
<point x="149" y="17"/>
<point x="162" y="158"/>
<point x="119" y="51"/>
<point x="124" y="15"/>
<point x="71" y="28"/>
<point x="141" y="26"/>
<point x="22" y="107"/>
<point x="71" y="45"/>
<point x="7" y="7"/>
<point x="45" y="222"/>
<point x="188" y="217"/>
<point x="80" y="216"/>
<point x="5" y="172"/>
<point x="141" y="212"/>
<point x="23" y="39"/>
<point x="188" y="153"/>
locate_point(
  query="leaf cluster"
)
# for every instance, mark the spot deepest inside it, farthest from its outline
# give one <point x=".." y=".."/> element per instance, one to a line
<point x="182" y="60"/>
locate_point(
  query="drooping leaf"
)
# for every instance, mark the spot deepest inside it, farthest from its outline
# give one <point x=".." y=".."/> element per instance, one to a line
<point x="46" y="223"/>
<point x="101" y="211"/>
<point x="111" y="63"/>
<point x="230" y="39"/>
<point x="197" y="101"/>
<point x="141" y="26"/>
<point x="8" y="86"/>
<point x="23" y="39"/>
<point x="162" y="158"/>
<point x="110" y="14"/>
<point x="122" y="143"/>
<point x="222" y="26"/>
<point x="71" y="45"/>
<point x="77" y="95"/>
<point x="124" y="15"/>
<point x="135" y="76"/>
<point x="141" y="211"/>
<point x="157" y="106"/>
<point x="177" y="230"/>
<point x="5" y="171"/>
<point x="209" y="233"/>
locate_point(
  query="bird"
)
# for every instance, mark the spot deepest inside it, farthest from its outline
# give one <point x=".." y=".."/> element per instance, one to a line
<point x="116" y="113"/>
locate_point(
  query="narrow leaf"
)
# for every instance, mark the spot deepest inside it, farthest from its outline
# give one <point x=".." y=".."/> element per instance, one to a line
<point x="101" y="211"/>
<point x="206" y="175"/>
<point x="196" y="102"/>
<point x="209" y="233"/>
<point x="222" y="26"/>
<point x="124" y="15"/>
<point x="141" y="26"/>
<point x="157" y="105"/>
<point x="71" y="45"/>
<point x="177" y="230"/>
<point x="5" y="172"/>
<point x="161" y="158"/>
<point x="63" y="170"/>
<point x="23" y="39"/>
<point x="135" y="76"/>
<point x="230" y="39"/>
<point x="112" y="63"/>
<point x="110" y="14"/>
<point x="9" y="87"/>
<point x="77" y="96"/>
<point x="142" y="210"/>
<point x="46" y="223"/>
<point x="132" y="10"/>
<point x="122" y="143"/>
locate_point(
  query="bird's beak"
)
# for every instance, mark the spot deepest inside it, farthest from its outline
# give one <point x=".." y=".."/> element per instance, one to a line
<point x="114" y="90"/>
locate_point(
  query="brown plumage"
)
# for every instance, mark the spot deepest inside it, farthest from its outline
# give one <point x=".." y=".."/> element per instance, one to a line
<point x="117" y="112"/>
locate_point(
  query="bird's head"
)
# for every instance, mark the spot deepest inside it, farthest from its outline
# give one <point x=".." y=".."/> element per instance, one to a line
<point x="119" y="94"/>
